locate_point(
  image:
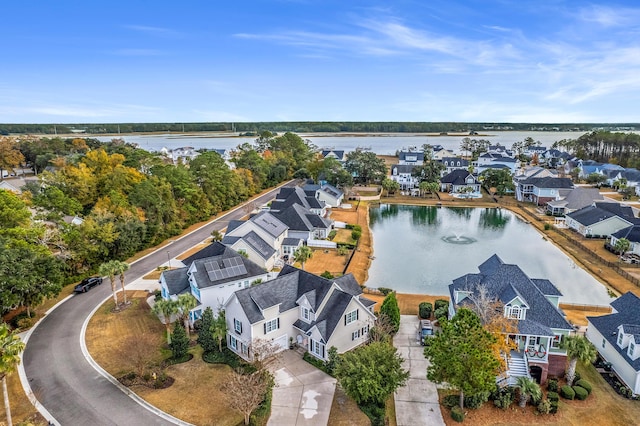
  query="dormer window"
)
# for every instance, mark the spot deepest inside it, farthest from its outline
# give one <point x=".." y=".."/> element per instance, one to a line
<point x="632" y="347"/>
<point x="515" y="312"/>
<point x="305" y="313"/>
<point x="620" y="337"/>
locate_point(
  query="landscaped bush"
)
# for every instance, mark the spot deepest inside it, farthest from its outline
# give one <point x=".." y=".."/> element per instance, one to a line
<point x="553" y="396"/>
<point x="552" y="385"/>
<point x="356" y="235"/>
<point x="375" y="413"/>
<point x="567" y="392"/>
<point x="332" y="234"/>
<point x="577" y="377"/>
<point x="442" y="312"/>
<point x="503" y="398"/>
<point x="554" y="407"/>
<point x="343" y="251"/>
<point x="326" y="274"/>
<point x="354" y="227"/>
<point x="451" y="401"/>
<point x="348" y="246"/>
<point x="229" y="358"/>
<point x="581" y="393"/>
<point x="21" y="316"/>
<point x="440" y="303"/>
<point x="260" y="415"/>
<point x="547" y="226"/>
<point x="425" y="309"/>
<point x="585" y="385"/>
<point x="475" y="401"/>
<point x="457" y="414"/>
<point x="544" y="407"/>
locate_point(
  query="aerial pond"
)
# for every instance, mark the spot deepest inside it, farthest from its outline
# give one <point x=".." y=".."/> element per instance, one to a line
<point x="421" y="249"/>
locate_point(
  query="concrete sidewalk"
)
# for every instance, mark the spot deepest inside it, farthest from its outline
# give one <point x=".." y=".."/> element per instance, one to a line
<point x="417" y="401"/>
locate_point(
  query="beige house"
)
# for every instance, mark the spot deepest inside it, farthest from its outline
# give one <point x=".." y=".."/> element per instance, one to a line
<point x="297" y="306"/>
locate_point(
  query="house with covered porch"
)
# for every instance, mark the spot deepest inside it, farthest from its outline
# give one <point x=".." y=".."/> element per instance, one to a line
<point x="533" y="303"/>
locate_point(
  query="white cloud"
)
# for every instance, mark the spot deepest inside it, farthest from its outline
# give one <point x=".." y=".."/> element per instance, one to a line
<point x="609" y="16"/>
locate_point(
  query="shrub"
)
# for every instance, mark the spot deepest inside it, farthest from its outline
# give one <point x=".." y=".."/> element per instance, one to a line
<point x="442" y="312"/>
<point x="567" y="392"/>
<point x="457" y="414"/>
<point x="554" y="407"/>
<point x="581" y="393"/>
<point x="584" y="385"/>
<point x="332" y="234"/>
<point x="25" y="323"/>
<point x="375" y="413"/>
<point x="475" y="401"/>
<point x="451" y="401"/>
<point x="326" y="274"/>
<point x="425" y="309"/>
<point x="553" y="396"/>
<point x="547" y="226"/>
<point x="577" y="377"/>
<point x="343" y="251"/>
<point x="552" y="385"/>
<point x="504" y="397"/>
<point x="544" y="407"/>
<point x="21" y="316"/>
<point x="356" y="235"/>
<point x="440" y="303"/>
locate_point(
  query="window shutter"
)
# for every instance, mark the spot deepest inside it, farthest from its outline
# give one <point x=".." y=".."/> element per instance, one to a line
<point x="322" y="351"/>
<point x="357" y="311"/>
<point x="278" y="323"/>
<point x="265" y="327"/>
<point x="240" y="328"/>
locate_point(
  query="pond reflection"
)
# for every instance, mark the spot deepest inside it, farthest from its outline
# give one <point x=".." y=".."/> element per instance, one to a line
<point x="418" y="249"/>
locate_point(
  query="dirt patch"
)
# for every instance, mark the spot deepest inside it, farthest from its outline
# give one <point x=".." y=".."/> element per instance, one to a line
<point x="408" y="303"/>
<point x="325" y="260"/>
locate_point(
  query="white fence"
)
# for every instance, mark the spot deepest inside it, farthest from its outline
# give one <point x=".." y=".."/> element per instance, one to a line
<point x="321" y="244"/>
<point x="340" y="225"/>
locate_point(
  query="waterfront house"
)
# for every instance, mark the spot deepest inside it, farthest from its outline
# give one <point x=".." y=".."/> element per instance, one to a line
<point x="600" y="219"/>
<point x="402" y="173"/>
<point x="631" y="234"/>
<point x="540" y="190"/>
<point x="617" y="338"/>
<point x="573" y="199"/>
<point x="303" y="224"/>
<point x="459" y="181"/>
<point x="297" y="306"/>
<point x="211" y="280"/>
<point x="332" y="153"/>
<point x="454" y="163"/>
<point x="289" y="196"/>
<point x="533" y="303"/>
<point x="411" y="157"/>
<point x="495" y="160"/>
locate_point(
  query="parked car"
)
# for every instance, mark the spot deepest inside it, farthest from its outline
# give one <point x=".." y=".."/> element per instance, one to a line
<point x="426" y="330"/>
<point x="87" y="284"/>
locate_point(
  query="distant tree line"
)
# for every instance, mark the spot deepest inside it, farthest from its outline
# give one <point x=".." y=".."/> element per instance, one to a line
<point x="613" y="147"/>
<point x="255" y="128"/>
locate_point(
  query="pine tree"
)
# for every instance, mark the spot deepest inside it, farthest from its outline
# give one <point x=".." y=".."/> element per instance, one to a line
<point x="391" y="310"/>
<point x="179" y="341"/>
<point x="205" y="336"/>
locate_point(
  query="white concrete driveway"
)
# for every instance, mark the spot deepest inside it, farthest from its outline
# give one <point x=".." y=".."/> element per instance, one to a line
<point x="303" y="394"/>
<point x="417" y="401"/>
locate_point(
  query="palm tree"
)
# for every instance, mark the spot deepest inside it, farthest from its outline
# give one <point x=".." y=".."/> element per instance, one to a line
<point x="622" y="246"/>
<point x="107" y="269"/>
<point x="528" y="389"/>
<point x="186" y="302"/>
<point x="219" y="328"/>
<point x="303" y="254"/>
<point x="165" y="308"/>
<point x="578" y="349"/>
<point x="10" y="348"/>
<point x="119" y="269"/>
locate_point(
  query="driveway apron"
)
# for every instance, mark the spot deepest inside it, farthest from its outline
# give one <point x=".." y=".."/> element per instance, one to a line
<point x="417" y="401"/>
<point x="303" y="394"/>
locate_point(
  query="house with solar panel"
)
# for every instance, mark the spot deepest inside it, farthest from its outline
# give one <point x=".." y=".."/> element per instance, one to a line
<point x="212" y="280"/>
<point x="315" y="312"/>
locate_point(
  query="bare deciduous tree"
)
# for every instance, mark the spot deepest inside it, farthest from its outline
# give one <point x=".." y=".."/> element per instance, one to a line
<point x="245" y="392"/>
<point x="139" y="350"/>
<point x="263" y="352"/>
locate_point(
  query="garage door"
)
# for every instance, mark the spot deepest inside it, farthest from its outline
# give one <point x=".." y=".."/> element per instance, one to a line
<point x="281" y="342"/>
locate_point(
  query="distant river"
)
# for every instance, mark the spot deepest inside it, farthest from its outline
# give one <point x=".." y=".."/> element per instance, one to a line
<point x="385" y="144"/>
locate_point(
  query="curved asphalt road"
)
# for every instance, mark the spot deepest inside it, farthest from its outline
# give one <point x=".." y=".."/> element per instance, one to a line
<point x="60" y="377"/>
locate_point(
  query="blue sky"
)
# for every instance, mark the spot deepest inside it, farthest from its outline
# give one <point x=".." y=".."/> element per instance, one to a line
<point x="291" y="60"/>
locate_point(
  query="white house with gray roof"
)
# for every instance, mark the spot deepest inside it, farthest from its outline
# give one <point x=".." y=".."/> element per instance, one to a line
<point x="401" y="173"/>
<point x="302" y="223"/>
<point x="289" y="196"/>
<point x="212" y="280"/>
<point x="617" y="338"/>
<point x="573" y="199"/>
<point x="601" y="219"/>
<point x="533" y="303"/>
<point x="261" y="238"/>
<point x="315" y="312"/>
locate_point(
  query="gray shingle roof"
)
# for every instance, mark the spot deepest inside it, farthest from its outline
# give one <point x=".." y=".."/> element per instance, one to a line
<point x="289" y="286"/>
<point x="287" y="197"/>
<point x="578" y="198"/>
<point x="458" y="177"/>
<point x="549" y="182"/>
<point x="215" y="249"/>
<point x="202" y="278"/>
<point x="627" y="307"/>
<point x="233" y="225"/>
<point x="269" y="223"/>
<point x="402" y="155"/>
<point x="601" y="211"/>
<point x="297" y="218"/>
<point x="402" y="168"/>
<point x="546" y="287"/>
<point x="177" y="280"/>
<point x="497" y="277"/>
<point x="259" y="245"/>
<point x="631" y="233"/>
<point x="291" y="241"/>
<point x="331" y="190"/>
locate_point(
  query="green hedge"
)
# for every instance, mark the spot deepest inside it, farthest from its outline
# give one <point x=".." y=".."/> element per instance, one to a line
<point x="441" y="303"/>
<point x="585" y="385"/>
<point x="581" y="393"/>
<point x="553" y="396"/>
<point x="567" y="392"/>
<point x="425" y="310"/>
<point x="457" y="414"/>
<point x="552" y="385"/>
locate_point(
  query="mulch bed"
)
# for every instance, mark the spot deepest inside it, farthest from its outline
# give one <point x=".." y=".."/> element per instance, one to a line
<point x="160" y="381"/>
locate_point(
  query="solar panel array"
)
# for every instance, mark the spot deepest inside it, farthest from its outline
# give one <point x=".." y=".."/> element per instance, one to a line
<point x="232" y="267"/>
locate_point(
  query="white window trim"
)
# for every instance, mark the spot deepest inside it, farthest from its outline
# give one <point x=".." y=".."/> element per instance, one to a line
<point x="271" y="325"/>
<point x="237" y="326"/>
<point x="233" y="342"/>
<point x="620" y="338"/>
<point x="351" y="317"/>
<point x="631" y="348"/>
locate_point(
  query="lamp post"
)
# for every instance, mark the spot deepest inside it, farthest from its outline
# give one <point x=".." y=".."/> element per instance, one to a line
<point x="169" y="259"/>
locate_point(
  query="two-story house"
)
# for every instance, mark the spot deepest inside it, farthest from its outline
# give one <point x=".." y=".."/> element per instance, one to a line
<point x="302" y="223"/>
<point x="541" y="190"/>
<point x="298" y="306"/>
<point x="401" y="173"/>
<point x="617" y="338"/>
<point x="454" y="163"/>
<point x="601" y="219"/>
<point x="261" y="238"/>
<point x="287" y="197"/>
<point x="459" y="181"/>
<point x="412" y="158"/>
<point x="533" y="303"/>
<point x="212" y="280"/>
